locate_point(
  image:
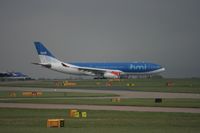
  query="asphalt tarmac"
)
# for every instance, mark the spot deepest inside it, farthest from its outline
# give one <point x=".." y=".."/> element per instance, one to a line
<point x="98" y="107"/>
<point x="122" y="94"/>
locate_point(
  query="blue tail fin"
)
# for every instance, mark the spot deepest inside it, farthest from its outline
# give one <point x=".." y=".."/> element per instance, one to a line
<point x="41" y="50"/>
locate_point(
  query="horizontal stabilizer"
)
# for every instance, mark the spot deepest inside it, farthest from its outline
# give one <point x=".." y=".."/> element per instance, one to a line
<point x="44" y="65"/>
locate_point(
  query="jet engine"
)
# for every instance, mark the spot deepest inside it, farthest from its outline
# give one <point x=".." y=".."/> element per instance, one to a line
<point x="111" y="75"/>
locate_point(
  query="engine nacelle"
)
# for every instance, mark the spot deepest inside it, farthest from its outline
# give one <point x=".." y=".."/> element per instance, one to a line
<point x="111" y="75"/>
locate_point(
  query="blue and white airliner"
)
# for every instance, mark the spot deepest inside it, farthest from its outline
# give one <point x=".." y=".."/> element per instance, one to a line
<point x="101" y="70"/>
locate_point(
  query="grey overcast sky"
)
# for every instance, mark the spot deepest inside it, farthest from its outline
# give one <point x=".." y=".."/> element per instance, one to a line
<point x="166" y="32"/>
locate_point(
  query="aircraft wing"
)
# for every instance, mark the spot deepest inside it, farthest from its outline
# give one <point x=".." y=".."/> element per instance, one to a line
<point x="92" y="70"/>
<point x="98" y="72"/>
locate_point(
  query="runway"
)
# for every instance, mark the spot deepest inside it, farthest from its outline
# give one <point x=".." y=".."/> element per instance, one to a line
<point x="121" y="94"/>
<point x="98" y="107"/>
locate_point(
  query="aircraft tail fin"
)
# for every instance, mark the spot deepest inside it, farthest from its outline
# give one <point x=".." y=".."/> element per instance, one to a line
<point x="45" y="56"/>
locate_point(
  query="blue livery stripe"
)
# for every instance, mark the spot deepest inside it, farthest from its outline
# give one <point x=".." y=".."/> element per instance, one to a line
<point x="41" y="50"/>
<point x="134" y="67"/>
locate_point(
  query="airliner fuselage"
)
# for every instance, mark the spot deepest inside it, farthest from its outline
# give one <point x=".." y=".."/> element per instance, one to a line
<point x="97" y="69"/>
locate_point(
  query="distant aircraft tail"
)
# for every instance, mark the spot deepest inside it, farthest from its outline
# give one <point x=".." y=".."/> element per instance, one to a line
<point x="45" y="56"/>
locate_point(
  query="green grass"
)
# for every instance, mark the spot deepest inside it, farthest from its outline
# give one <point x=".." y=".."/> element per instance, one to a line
<point x="31" y="121"/>
<point x="189" y="103"/>
<point x="158" y="85"/>
<point x="6" y="94"/>
<point x="167" y="89"/>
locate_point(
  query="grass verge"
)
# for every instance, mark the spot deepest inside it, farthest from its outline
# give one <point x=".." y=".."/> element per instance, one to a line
<point x="156" y="85"/>
<point x="181" y="103"/>
<point x="32" y="120"/>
